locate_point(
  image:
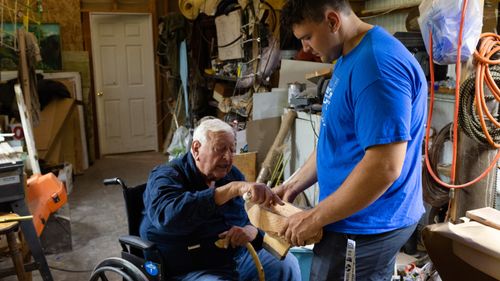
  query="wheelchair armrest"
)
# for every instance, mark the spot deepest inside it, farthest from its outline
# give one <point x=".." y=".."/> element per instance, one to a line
<point x="136" y="242"/>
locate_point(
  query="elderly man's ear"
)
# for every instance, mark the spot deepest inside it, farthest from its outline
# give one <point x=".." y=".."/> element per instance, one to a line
<point x="195" y="149"/>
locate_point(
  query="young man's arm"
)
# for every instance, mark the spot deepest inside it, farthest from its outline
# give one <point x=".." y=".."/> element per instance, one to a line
<point x="373" y="175"/>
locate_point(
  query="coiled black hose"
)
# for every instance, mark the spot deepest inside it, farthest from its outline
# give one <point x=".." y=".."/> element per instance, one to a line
<point x="435" y="194"/>
<point x="468" y="119"/>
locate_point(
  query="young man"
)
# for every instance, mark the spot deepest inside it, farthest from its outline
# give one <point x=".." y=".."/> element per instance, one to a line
<point x="368" y="158"/>
<point x="193" y="201"/>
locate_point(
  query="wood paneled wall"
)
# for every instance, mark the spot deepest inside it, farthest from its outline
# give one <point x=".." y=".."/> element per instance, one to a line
<point x="67" y="14"/>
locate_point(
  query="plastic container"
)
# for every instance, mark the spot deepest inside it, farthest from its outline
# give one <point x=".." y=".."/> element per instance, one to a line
<point x="304" y="256"/>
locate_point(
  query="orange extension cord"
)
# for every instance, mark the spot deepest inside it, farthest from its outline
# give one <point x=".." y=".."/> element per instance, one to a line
<point x="490" y="44"/>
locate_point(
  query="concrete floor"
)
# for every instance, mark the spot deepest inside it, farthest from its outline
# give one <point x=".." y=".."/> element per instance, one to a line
<point x="98" y="214"/>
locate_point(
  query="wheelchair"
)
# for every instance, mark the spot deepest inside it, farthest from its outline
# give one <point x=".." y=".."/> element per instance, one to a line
<point x="133" y="264"/>
<point x="140" y="259"/>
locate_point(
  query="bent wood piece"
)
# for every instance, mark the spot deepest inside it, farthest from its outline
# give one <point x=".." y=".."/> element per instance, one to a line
<point x="274" y="152"/>
<point x="223" y="243"/>
<point x="271" y="220"/>
<point x="274" y="245"/>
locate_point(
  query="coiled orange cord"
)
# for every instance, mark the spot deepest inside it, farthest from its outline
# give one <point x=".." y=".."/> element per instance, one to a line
<point x="490" y="44"/>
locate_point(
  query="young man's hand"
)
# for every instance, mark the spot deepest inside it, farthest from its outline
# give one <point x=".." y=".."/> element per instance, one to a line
<point x="286" y="192"/>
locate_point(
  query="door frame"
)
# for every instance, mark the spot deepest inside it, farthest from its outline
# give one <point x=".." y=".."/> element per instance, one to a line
<point x="87" y="22"/>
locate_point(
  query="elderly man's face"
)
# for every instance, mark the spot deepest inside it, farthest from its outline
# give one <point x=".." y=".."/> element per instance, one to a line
<point x="214" y="159"/>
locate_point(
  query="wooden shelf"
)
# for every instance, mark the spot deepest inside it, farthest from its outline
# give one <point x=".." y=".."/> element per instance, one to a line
<point x="375" y="12"/>
<point x="318" y="74"/>
<point x="220" y="77"/>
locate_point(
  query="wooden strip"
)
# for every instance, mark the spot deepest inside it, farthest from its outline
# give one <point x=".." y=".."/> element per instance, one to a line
<point x="487" y="216"/>
<point x="271" y="221"/>
<point x="375" y="12"/>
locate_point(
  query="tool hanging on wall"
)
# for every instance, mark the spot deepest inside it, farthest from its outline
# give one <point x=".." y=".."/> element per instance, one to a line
<point x="192" y="8"/>
<point x="184" y="78"/>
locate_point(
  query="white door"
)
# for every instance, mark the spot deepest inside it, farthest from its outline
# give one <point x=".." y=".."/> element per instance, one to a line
<point x="123" y="59"/>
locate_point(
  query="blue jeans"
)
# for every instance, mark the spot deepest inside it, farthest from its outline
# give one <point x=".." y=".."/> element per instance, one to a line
<point x="375" y="255"/>
<point x="274" y="270"/>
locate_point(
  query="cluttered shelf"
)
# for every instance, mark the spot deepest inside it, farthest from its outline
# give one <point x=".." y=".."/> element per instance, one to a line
<point x="221" y="77"/>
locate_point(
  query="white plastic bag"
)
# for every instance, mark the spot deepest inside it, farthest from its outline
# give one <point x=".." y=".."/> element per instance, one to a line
<point x="180" y="143"/>
<point x="443" y="18"/>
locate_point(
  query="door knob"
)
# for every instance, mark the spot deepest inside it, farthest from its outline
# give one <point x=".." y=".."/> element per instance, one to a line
<point x="100" y="94"/>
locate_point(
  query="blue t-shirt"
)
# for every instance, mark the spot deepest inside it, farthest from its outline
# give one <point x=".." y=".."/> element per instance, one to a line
<point x="377" y="95"/>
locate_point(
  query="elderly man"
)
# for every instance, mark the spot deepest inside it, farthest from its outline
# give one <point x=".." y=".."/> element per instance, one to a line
<point x="195" y="200"/>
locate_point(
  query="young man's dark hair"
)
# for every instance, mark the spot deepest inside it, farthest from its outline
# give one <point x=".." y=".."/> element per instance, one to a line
<point x="295" y="11"/>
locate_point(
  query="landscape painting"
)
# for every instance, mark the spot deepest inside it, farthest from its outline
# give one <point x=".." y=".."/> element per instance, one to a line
<point x="49" y="40"/>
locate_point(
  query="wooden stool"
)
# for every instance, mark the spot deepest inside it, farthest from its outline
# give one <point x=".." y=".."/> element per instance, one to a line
<point x="9" y="229"/>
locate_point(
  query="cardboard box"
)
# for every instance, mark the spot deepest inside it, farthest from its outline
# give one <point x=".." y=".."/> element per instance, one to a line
<point x="52" y="119"/>
<point x="222" y="91"/>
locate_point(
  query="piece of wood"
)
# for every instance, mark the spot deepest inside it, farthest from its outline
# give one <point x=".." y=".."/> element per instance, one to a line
<point x="272" y="155"/>
<point x="271" y="220"/>
<point x="375" y="12"/>
<point x="52" y="120"/>
<point x="28" y="130"/>
<point x="246" y="163"/>
<point x="79" y="166"/>
<point x="487" y="216"/>
<point x="73" y="82"/>
<point x="295" y="71"/>
<point x="317" y="74"/>
<point x="7" y="221"/>
<point x="276" y="246"/>
<point x="24" y="79"/>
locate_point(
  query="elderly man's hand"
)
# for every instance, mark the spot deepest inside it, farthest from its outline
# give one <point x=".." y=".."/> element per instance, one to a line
<point x="238" y="236"/>
<point x="259" y="193"/>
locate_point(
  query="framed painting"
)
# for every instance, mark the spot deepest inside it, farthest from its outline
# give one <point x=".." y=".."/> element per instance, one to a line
<point x="49" y="41"/>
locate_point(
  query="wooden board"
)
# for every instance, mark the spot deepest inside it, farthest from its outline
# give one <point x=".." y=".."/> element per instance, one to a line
<point x="487" y="216"/>
<point x="246" y="163"/>
<point x="271" y="221"/>
<point x="67" y="15"/>
<point x="73" y="82"/>
<point x="52" y="119"/>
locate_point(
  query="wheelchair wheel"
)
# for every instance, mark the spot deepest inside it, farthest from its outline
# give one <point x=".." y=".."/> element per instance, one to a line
<point x="110" y="268"/>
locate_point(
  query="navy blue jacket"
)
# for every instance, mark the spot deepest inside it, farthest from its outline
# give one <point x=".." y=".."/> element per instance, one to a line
<point x="181" y="217"/>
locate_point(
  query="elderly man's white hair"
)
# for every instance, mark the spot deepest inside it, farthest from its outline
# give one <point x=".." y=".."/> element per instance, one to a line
<point x="211" y="125"/>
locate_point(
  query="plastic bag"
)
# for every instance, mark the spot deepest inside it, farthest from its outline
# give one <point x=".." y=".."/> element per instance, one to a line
<point x="443" y="18"/>
<point x="180" y="143"/>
